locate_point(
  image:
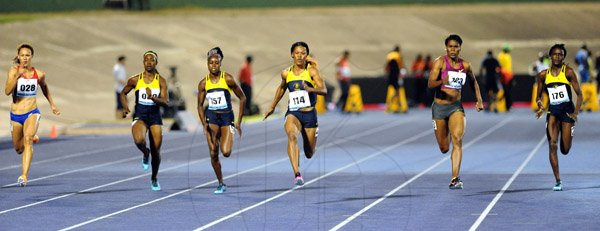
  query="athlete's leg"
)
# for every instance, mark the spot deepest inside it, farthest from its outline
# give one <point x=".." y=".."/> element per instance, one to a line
<point x="17" y="136"/>
<point x="309" y="138"/>
<point x="440" y="128"/>
<point x="566" y="134"/>
<point x="552" y="130"/>
<point x="213" y="149"/>
<point x="456" y="124"/>
<point x="155" y="138"/>
<point x="29" y="129"/>
<point x="226" y="139"/>
<point x="292" y="129"/>
<point x="139" y="130"/>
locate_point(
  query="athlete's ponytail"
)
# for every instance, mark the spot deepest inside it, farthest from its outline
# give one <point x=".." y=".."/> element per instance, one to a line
<point x="215" y="52"/>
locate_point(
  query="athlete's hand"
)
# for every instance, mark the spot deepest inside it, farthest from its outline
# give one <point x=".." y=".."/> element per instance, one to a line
<point x="312" y="61"/>
<point x="55" y="110"/>
<point x="540" y="112"/>
<point x="149" y="93"/>
<point x="21" y="70"/>
<point x="479" y="106"/>
<point x="268" y="113"/>
<point x="572" y="116"/>
<point x="306" y="87"/>
<point x="238" y="127"/>
<point x="205" y="129"/>
<point x="125" y="111"/>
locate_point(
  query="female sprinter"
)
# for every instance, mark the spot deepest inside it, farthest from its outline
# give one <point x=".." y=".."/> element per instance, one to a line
<point x="22" y="83"/>
<point x="218" y="119"/>
<point x="304" y="83"/>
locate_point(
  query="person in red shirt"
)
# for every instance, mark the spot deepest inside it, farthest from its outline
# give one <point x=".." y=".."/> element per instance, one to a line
<point x="342" y="74"/>
<point x="246" y="84"/>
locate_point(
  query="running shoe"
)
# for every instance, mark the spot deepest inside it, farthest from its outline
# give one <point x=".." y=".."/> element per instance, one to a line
<point x="557" y="187"/>
<point x="155" y="185"/>
<point x="36" y="139"/>
<point x="299" y="180"/>
<point x="221" y="189"/>
<point x="145" y="164"/>
<point x="21" y="181"/>
<point x="456" y="183"/>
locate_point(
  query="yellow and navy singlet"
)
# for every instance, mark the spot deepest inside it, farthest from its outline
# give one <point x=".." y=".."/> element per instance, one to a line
<point x="558" y="87"/>
<point x="143" y="103"/>
<point x="218" y="94"/>
<point x="299" y="98"/>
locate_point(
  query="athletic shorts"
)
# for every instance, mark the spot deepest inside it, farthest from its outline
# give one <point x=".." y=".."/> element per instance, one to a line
<point x="220" y="119"/>
<point x="21" y="118"/>
<point x="443" y="111"/>
<point x="560" y="112"/>
<point x="308" y="119"/>
<point x="148" y="118"/>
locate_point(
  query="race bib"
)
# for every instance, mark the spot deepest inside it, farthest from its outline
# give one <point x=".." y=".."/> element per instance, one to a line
<point x="26" y="87"/>
<point x="558" y="95"/>
<point x="216" y="100"/>
<point x="298" y="99"/>
<point x="144" y="99"/>
<point x="456" y="79"/>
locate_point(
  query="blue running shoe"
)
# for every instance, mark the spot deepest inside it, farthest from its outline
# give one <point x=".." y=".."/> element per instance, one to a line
<point x="455" y="183"/>
<point x="145" y="164"/>
<point x="221" y="189"/>
<point x="557" y="187"/>
<point x="299" y="181"/>
<point x="155" y="185"/>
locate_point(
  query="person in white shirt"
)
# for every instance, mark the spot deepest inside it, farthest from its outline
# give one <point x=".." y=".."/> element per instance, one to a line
<point x="120" y="75"/>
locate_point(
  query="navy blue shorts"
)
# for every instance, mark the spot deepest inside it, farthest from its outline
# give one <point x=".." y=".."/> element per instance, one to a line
<point x="560" y="112"/>
<point x="220" y="119"/>
<point x="308" y="119"/>
<point x="148" y="118"/>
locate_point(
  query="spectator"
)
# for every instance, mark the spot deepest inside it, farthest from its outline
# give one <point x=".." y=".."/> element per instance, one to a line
<point x="505" y="60"/>
<point x="342" y="74"/>
<point x="120" y="75"/>
<point x="581" y="59"/>
<point x="418" y="70"/>
<point x="490" y="70"/>
<point x="246" y="84"/>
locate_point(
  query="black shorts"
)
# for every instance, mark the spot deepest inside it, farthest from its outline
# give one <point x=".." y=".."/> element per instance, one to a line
<point x="148" y="118"/>
<point x="560" y="112"/>
<point x="308" y="119"/>
<point x="220" y="119"/>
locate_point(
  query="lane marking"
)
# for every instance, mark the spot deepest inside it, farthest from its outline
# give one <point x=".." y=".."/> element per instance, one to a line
<point x="357" y="214"/>
<point x="348" y="139"/>
<point x="508" y="183"/>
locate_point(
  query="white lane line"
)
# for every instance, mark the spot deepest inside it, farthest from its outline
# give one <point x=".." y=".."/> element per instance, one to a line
<point x="508" y="183"/>
<point x="347" y="139"/>
<point x="357" y="214"/>
<point x="385" y="150"/>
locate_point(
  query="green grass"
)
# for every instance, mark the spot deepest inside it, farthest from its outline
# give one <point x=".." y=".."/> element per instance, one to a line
<point x="7" y="18"/>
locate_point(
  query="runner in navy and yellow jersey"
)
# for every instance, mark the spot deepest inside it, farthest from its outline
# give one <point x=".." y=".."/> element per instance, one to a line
<point x="218" y="119"/>
<point x="150" y="93"/>
<point x="562" y="114"/>
<point x="303" y="81"/>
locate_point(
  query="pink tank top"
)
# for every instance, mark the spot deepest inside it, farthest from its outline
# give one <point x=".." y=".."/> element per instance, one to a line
<point x="457" y="76"/>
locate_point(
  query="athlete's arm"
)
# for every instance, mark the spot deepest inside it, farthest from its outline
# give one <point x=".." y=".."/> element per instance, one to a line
<point x="474" y="86"/>
<point x="541" y="78"/>
<point x="320" y="88"/>
<point x="570" y="74"/>
<point x="11" y="79"/>
<point x="435" y="73"/>
<point x="240" y="94"/>
<point x="46" y="91"/>
<point x="131" y="82"/>
<point x="278" y="94"/>
<point x="163" y="100"/>
<point x="200" y="107"/>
